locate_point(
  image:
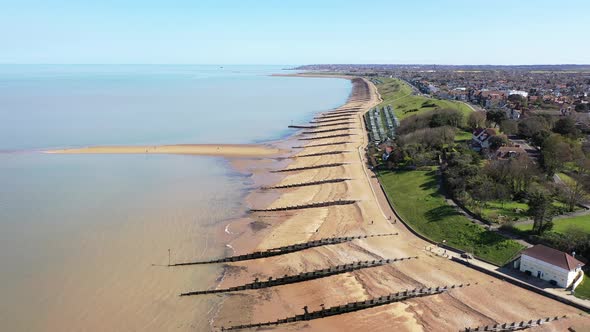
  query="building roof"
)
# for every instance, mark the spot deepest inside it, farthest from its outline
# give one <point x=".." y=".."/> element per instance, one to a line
<point x="553" y="257"/>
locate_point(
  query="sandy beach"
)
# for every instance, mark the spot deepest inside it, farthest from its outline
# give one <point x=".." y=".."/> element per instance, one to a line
<point x="325" y="162"/>
<point x="220" y="150"/>
<point x="490" y="301"/>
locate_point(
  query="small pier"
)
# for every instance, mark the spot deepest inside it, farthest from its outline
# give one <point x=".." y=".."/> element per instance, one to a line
<point x="301" y="277"/>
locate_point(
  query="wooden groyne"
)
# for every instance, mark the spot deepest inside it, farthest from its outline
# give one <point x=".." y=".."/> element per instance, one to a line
<point x="285" y="249"/>
<point x="330" y="120"/>
<point x="345" y="109"/>
<point x="297" y="169"/>
<point x="351" y="307"/>
<point x="304" y="184"/>
<point x="334" y="117"/>
<point x="303" y="127"/>
<point x="514" y="326"/>
<point x="301" y="277"/>
<point x="335" y="113"/>
<point x="318" y="145"/>
<point x="333" y="124"/>
<point x="325" y="131"/>
<point x="321" y="154"/>
<point x="306" y="206"/>
<point x="324" y="137"/>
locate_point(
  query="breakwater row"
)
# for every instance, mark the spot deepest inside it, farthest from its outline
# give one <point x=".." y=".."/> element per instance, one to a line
<point x="321" y="154"/>
<point x="304" y="184"/>
<point x="324" y="137"/>
<point x="318" y="145"/>
<point x="324" y="131"/>
<point x="514" y="326"/>
<point x="285" y="249"/>
<point x="297" y="169"/>
<point x="301" y="277"/>
<point x="306" y="206"/>
<point x="350" y="307"/>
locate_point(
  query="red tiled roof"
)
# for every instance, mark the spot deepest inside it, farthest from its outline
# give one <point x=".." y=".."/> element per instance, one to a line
<point x="553" y="257"/>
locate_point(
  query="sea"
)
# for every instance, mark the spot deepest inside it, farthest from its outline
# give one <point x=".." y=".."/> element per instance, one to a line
<point x="85" y="239"/>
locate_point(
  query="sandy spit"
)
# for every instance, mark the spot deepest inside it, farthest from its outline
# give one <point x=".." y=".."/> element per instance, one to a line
<point x="221" y="150"/>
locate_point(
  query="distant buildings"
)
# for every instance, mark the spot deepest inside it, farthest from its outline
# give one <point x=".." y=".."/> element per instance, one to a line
<point x="559" y="268"/>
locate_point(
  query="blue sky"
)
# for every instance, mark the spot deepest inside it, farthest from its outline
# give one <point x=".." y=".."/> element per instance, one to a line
<point x="295" y="32"/>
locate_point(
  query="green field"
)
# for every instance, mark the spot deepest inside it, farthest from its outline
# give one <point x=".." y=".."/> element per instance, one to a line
<point x="463" y="136"/>
<point x="507" y="209"/>
<point x="398" y="94"/>
<point x="561" y="225"/>
<point x="416" y="197"/>
<point x="583" y="290"/>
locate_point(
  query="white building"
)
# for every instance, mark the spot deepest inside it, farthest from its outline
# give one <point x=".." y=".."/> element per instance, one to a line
<point x="551" y="265"/>
<point x="518" y="92"/>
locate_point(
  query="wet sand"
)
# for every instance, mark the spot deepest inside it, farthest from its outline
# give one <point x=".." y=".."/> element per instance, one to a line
<point x="219" y="150"/>
<point x="490" y="301"/>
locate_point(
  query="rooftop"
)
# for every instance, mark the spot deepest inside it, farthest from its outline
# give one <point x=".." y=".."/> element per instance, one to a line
<point x="553" y="257"/>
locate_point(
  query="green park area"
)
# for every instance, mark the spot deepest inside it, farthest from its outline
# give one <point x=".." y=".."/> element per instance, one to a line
<point x="583" y="290"/>
<point x="416" y="197"/>
<point x="398" y="94"/>
<point x="580" y="223"/>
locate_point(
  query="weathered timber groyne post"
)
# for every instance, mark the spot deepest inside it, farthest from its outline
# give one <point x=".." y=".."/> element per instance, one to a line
<point x="353" y="306"/>
<point x="301" y="277"/>
<point x="284" y="250"/>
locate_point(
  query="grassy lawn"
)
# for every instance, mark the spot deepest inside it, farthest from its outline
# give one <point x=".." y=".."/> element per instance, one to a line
<point x="583" y="290"/>
<point x="507" y="209"/>
<point x="463" y="136"/>
<point x="561" y="225"/>
<point x="398" y="94"/>
<point x="416" y="197"/>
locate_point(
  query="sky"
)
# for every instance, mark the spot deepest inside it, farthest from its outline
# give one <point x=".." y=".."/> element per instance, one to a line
<point x="295" y="32"/>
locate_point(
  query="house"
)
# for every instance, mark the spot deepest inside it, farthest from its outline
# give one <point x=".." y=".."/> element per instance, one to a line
<point x="509" y="152"/>
<point x="480" y="139"/>
<point x="557" y="267"/>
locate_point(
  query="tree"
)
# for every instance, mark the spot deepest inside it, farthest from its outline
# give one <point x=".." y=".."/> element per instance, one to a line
<point x="476" y="120"/>
<point x="572" y="192"/>
<point x="519" y="100"/>
<point x="497" y="141"/>
<point x="532" y="125"/>
<point x="582" y="108"/>
<point x="566" y="126"/>
<point x="541" y="210"/>
<point x="555" y="153"/>
<point x="509" y="127"/>
<point x="496" y="117"/>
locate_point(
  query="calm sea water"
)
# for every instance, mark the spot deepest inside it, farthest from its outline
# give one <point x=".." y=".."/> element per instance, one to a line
<point x="79" y="234"/>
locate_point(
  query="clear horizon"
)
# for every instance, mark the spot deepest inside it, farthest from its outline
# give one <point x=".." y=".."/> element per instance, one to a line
<point x="454" y="32"/>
